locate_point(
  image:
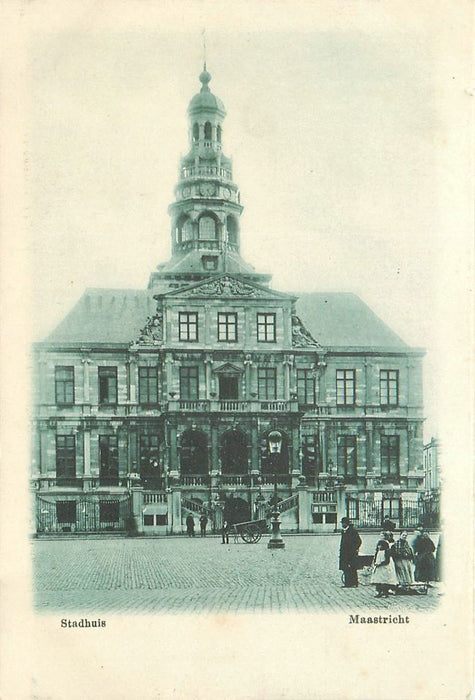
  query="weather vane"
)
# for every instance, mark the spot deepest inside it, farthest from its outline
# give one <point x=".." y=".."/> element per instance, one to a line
<point x="204" y="47"/>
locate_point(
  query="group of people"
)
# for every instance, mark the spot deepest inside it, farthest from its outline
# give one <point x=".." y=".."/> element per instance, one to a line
<point x="396" y="565"/>
<point x="190" y="525"/>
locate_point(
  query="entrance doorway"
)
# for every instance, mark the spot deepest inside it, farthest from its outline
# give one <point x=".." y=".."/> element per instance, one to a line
<point x="228" y="387"/>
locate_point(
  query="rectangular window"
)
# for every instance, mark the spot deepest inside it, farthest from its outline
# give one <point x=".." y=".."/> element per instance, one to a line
<point x="227" y="327"/>
<point x="64" y="385"/>
<point x="108" y="460"/>
<point x="305" y="386"/>
<point x="150" y="460"/>
<point x="189" y="383"/>
<point x="148" y="385"/>
<point x="66" y="512"/>
<point x="346" y="455"/>
<point x="310" y="455"/>
<point x="188" y="326"/>
<point x="65" y="457"/>
<point x="390" y="455"/>
<point x="109" y="512"/>
<point x="107" y="385"/>
<point x="389" y="387"/>
<point x="266" y="383"/>
<point x="266" y="328"/>
<point x="345" y="387"/>
<point x="148" y="519"/>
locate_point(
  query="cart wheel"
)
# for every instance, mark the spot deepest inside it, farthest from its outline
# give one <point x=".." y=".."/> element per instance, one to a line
<point x="256" y="536"/>
<point x="247" y="535"/>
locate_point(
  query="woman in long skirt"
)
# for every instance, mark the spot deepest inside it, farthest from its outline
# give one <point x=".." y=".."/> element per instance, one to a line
<point x="384" y="573"/>
<point x="403" y="557"/>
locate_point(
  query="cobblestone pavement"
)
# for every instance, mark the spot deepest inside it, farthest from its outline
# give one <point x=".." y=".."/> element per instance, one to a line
<point x="201" y="575"/>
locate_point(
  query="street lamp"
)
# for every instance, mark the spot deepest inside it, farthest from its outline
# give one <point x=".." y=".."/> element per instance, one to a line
<point x="275" y="446"/>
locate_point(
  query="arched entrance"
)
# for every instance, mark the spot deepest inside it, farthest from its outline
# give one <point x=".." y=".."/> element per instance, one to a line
<point x="236" y="510"/>
<point x="194" y="452"/>
<point x="234" y="452"/>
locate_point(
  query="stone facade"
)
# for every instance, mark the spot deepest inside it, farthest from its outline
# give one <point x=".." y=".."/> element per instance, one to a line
<point x="210" y="392"/>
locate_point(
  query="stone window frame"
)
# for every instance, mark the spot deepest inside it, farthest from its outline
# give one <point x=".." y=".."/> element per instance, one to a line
<point x="267" y="383"/>
<point x="64" y="385"/>
<point x="390" y="450"/>
<point x="266" y="327"/>
<point x="107" y="385"/>
<point x="389" y="387"/>
<point x="345" y="387"/>
<point x="148" y="385"/>
<point x="306" y="386"/>
<point x="227" y="321"/>
<point x="65" y="456"/>
<point x="347" y="455"/>
<point x="189" y="377"/>
<point x="188" y="326"/>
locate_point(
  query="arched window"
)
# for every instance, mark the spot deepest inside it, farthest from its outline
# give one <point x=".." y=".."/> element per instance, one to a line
<point x="194" y="452"/>
<point x="208" y="230"/>
<point x="232" y="227"/>
<point x="184" y="229"/>
<point x="208" y="131"/>
<point x="218" y="134"/>
<point x="234" y="452"/>
<point x="196" y="132"/>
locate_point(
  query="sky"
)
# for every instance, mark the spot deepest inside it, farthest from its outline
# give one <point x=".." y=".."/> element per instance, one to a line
<point x="345" y="133"/>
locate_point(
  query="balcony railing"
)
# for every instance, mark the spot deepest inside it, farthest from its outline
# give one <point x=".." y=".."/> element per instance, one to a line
<point x="206" y="171"/>
<point x="232" y="406"/>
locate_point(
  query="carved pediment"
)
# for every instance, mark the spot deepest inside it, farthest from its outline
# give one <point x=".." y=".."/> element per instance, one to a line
<point x="227" y="286"/>
<point x="228" y="368"/>
<point x="301" y="337"/>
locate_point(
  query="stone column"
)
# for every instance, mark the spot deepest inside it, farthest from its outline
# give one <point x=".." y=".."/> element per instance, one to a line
<point x="214" y="447"/>
<point x="173" y="450"/>
<point x="133" y="379"/>
<point x="304" y="509"/>
<point x="208" y="376"/>
<point x="137" y="507"/>
<point x="86" y="362"/>
<point x="174" y="512"/>
<point x="87" y="458"/>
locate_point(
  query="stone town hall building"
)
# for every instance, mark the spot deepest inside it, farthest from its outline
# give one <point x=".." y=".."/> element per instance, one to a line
<point x="154" y="403"/>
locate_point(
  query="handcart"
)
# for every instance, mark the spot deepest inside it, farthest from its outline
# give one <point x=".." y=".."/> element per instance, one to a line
<point x="250" y="531"/>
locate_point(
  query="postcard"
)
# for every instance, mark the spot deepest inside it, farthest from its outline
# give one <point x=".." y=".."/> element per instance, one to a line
<point x="237" y="350"/>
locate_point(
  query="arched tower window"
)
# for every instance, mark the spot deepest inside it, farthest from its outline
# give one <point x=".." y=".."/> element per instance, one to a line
<point x="233" y="230"/>
<point x="234" y="452"/>
<point x="218" y="134"/>
<point x="207" y="228"/>
<point x="208" y="131"/>
<point x="194" y="452"/>
<point x="184" y="229"/>
<point x="196" y="132"/>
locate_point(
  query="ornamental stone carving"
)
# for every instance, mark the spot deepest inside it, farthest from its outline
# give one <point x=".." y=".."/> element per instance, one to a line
<point x="225" y="286"/>
<point x="301" y="337"/>
<point x="152" y="332"/>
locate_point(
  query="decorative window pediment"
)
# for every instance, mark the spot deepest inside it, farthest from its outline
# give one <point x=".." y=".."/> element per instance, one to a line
<point x="228" y="368"/>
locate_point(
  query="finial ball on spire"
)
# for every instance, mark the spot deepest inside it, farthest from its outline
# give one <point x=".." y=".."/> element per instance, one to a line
<point x="205" y="77"/>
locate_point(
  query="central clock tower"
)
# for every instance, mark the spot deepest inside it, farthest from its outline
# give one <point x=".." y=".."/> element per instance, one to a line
<point x="205" y="216"/>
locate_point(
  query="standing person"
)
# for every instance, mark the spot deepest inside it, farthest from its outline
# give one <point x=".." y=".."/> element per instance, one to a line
<point x="349" y="546"/>
<point x="225" y="532"/>
<point x="190" y="525"/>
<point x="203" y="524"/>
<point x="403" y="557"/>
<point x="424" y="558"/>
<point x="384" y="572"/>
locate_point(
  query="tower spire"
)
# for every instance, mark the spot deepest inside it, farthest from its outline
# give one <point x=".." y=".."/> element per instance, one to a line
<point x="204" y="48"/>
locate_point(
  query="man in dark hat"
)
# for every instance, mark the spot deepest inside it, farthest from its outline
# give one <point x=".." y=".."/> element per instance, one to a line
<point x="349" y="547"/>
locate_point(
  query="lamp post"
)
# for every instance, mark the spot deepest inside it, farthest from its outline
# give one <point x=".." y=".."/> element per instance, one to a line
<point x="275" y="446"/>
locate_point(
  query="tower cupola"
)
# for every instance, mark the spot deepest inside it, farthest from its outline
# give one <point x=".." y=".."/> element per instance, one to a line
<point x="205" y="216"/>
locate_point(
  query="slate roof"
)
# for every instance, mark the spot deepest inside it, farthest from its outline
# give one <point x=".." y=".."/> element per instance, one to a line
<point x="116" y="316"/>
<point x="339" y="319"/>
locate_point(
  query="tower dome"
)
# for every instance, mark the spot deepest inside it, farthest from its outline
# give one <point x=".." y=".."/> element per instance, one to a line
<point x="204" y="100"/>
